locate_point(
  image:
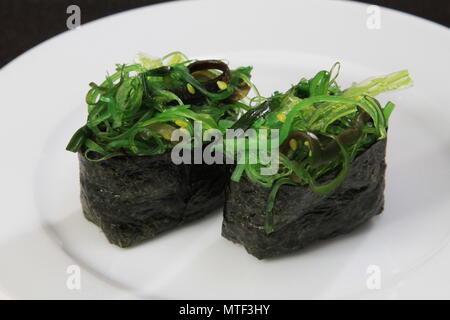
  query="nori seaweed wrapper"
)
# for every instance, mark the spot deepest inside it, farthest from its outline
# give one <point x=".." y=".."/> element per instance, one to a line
<point x="302" y="216"/>
<point x="135" y="198"/>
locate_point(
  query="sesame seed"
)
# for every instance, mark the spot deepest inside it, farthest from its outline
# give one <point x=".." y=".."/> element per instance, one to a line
<point x="281" y="117"/>
<point x="293" y="144"/>
<point x="181" y="123"/>
<point x="190" y="88"/>
<point x="167" y="135"/>
<point x="222" y="85"/>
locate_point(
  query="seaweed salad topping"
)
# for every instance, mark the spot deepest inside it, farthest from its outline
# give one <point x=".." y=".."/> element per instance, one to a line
<point x="322" y="128"/>
<point x="135" y="110"/>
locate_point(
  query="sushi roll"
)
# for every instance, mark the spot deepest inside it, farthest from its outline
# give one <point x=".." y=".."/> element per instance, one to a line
<point x="331" y="176"/>
<point x="131" y="187"/>
<point x="133" y="199"/>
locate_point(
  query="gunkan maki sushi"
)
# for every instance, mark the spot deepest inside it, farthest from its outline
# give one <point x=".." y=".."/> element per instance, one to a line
<point x="331" y="173"/>
<point x="130" y="184"/>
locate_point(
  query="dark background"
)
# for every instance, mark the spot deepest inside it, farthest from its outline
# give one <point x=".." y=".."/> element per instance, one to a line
<point x="26" y="23"/>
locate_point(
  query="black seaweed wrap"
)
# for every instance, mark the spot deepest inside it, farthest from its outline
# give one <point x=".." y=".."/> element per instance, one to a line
<point x="135" y="198"/>
<point x="302" y="216"/>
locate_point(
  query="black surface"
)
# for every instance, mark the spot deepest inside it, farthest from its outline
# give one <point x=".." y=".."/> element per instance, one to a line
<point x="26" y="23"/>
<point x="278" y="309"/>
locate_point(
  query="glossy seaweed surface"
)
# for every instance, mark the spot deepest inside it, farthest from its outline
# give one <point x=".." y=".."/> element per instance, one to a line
<point x="135" y="198"/>
<point x="302" y="216"/>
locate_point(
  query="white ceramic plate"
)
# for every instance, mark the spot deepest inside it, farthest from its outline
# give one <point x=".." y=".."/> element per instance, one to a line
<point x="42" y="230"/>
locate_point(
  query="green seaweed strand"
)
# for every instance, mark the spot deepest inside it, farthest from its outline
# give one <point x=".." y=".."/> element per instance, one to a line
<point x="268" y="226"/>
<point x="135" y="110"/>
